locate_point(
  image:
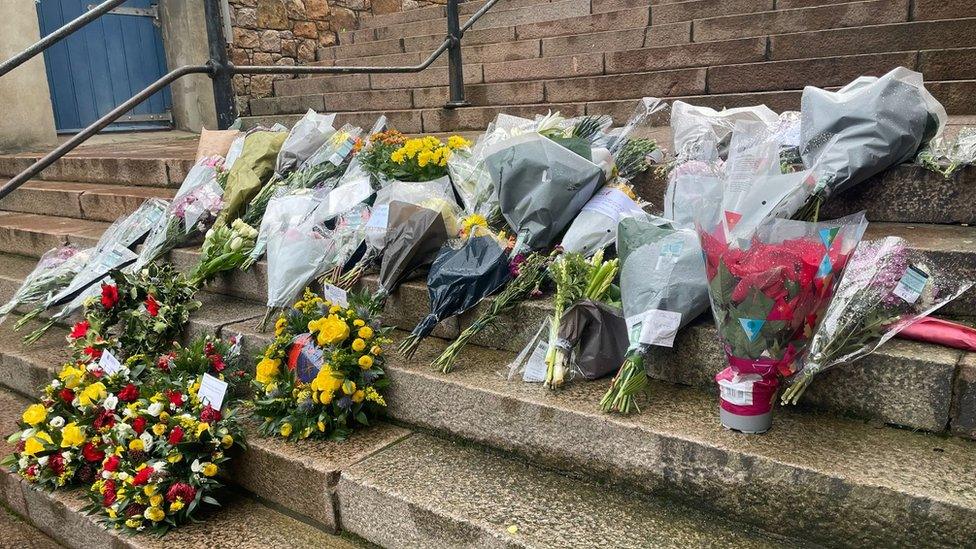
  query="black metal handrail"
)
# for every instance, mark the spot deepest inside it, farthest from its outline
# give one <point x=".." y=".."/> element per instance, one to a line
<point x="221" y="70"/>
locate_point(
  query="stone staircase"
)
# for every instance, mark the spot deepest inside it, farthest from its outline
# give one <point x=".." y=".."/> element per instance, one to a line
<point x="880" y="454"/>
<point x="598" y="56"/>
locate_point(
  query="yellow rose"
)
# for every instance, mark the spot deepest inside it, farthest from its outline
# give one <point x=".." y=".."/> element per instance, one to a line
<point x="365" y="362"/>
<point x="376" y="350"/>
<point x="34" y="414"/>
<point x="227" y="441"/>
<point x="201" y="427"/>
<point x="159" y="429"/>
<point x="358" y="345"/>
<point x="92" y="394"/>
<point x="164" y="416"/>
<point x="150" y="489"/>
<point x="332" y="330"/>
<point x="175" y="457"/>
<point x="325" y="397"/>
<point x="358" y="396"/>
<point x="72" y="436"/>
<point x="136" y="445"/>
<point x="209" y="469"/>
<point x="267" y="369"/>
<point x="285" y="429"/>
<point x="155" y="514"/>
<point x="36" y="443"/>
<point x="175" y="506"/>
<point x="366" y="332"/>
<point x="156" y="500"/>
<point x="71" y="376"/>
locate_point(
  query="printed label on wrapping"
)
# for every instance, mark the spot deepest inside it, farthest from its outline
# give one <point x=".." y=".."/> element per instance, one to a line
<point x="737" y="391"/>
<point x="612" y="203"/>
<point x="335" y="295"/>
<point x="380" y="217"/>
<point x="535" y="368"/>
<point x="109" y="364"/>
<point x="212" y="391"/>
<point x="654" y="327"/>
<point x="912" y="284"/>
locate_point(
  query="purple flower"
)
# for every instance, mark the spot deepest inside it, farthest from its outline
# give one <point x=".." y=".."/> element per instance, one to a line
<point x="513" y="266"/>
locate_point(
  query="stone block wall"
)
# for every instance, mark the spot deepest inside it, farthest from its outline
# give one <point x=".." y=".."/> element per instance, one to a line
<point x="288" y="32"/>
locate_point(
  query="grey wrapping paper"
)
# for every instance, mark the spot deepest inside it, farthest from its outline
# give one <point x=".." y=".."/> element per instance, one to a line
<point x="598" y="333"/>
<point x="416" y="235"/>
<point x="866" y="127"/>
<point x="541" y="186"/>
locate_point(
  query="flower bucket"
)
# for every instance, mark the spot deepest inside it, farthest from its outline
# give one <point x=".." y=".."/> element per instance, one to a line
<point x="747" y="389"/>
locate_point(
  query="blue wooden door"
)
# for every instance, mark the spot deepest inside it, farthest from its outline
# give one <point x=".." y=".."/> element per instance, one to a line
<point x="103" y="64"/>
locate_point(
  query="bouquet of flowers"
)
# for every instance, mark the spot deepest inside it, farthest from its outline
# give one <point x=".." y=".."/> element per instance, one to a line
<point x="528" y="273"/>
<point x="947" y="156"/>
<point x="464" y="273"/>
<point x="249" y="173"/>
<point x="55" y="270"/>
<point x="165" y="451"/>
<point x="394" y="157"/>
<point x="225" y="249"/>
<point x="194" y="208"/>
<point x="864" y="128"/>
<point x="886" y="288"/>
<point x="767" y="296"/>
<point x="322" y="375"/>
<point x="306" y="137"/>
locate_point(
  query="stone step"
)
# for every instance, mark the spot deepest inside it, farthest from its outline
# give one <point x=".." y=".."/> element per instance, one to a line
<point x="80" y="200"/>
<point x="240" y="522"/>
<point x="869" y="486"/>
<point x="161" y="162"/>
<point x="434" y="493"/>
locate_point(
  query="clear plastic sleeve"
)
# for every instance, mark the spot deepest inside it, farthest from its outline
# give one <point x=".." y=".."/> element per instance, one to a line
<point x="55" y="269"/>
<point x="305" y="138"/>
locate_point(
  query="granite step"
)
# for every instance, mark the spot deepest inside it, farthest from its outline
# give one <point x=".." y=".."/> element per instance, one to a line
<point x="241" y="522"/>
<point x="80" y="200"/>
<point x="869" y="486"/>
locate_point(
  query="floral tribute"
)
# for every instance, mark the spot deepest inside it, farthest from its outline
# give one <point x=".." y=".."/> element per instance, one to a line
<point x="767" y="296"/>
<point x="138" y="434"/>
<point x="395" y="157"/>
<point x="322" y="376"/>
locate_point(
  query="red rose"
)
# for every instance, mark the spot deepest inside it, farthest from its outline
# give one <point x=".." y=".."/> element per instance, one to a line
<point x="176" y="435"/>
<point x="110" y="295"/>
<point x="129" y="393"/>
<point x="93" y="353"/>
<point x="209" y="414"/>
<point x="139" y="425"/>
<point x="56" y="463"/>
<point x="142" y="476"/>
<point x="111" y="464"/>
<point x="91" y="453"/>
<point x="181" y="491"/>
<point x="67" y="395"/>
<point x="79" y="330"/>
<point x="152" y="306"/>
<point x="105" y="419"/>
<point x="175" y="398"/>
<point x="217" y="362"/>
<point x="109" y="497"/>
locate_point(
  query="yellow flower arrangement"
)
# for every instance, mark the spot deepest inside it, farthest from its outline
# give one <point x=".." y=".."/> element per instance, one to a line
<point x="358" y="345"/>
<point x="267" y="369"/>
<point x="72" y="436"/>
<point x="34" y="414"/>
<point x="36" y="443"/>
<point x="93" y="393"/>
<point x="332" y="330"/>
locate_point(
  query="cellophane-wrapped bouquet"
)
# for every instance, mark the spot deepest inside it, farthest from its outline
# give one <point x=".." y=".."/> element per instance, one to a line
<point x="886" y="287"/>
<point x="322" y="376"/>
<point x="768" y="293"/>
<point x="53" y="272"/>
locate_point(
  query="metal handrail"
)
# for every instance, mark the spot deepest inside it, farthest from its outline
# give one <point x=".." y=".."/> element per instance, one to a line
<point x="56" y="36"/>
<point x="220" y="70"/>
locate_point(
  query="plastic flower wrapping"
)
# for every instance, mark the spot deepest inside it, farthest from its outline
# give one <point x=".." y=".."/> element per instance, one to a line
<point x="886" y="288"/>
<point x="250" y="171"/>
<point x="55" y="270"/>
<point x="768" y="293"/>
<point x="142" y="434"/>
<point x="947" y="156"/>
<point x="322" y="376"/>
<point x="864" y="128"/>
<point x="225" y="248"/>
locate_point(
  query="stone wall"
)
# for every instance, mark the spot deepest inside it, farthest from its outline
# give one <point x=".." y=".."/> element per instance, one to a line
<point x="288" y="32"/>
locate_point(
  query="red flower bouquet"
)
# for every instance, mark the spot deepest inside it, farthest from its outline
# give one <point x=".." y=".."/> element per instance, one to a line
<point x="767" y="293"/>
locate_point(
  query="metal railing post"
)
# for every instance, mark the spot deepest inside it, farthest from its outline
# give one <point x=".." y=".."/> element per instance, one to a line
<point x="454" y="63"/>
<point x="222" y="72"/>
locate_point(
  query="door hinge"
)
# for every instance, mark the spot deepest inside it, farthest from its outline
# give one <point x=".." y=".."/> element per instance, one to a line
<point x="152" y="11"/>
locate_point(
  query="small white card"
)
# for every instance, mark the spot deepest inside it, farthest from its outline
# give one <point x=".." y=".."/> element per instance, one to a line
<point x="535" y="369"/>
<point x="654" y="327"/>
<point x="379" y="218"/>
<point x="612" y="203"/>
<point x="335" y="295"/>
<point x="212" y="391"/>
<point x="911" y="285"/>
<point x="109" y="364"/>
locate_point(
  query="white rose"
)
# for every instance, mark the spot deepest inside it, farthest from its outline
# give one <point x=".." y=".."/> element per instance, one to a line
<point x="67" y="456"/>
<point x="56" y="422"/>
<point x="155" y="409"/>
<point x="123" y="475"/>
<point x="111" y="401"/>
<point x="195" y="466"/>
<point x="23" y="462"/>
<point x="55" y="383"/>
<point x="106" y="474"/>
<point x="42" y="461"/>
<point x="147" y="439"/>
